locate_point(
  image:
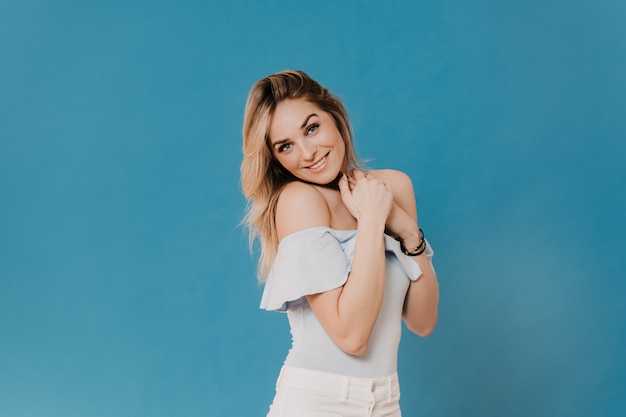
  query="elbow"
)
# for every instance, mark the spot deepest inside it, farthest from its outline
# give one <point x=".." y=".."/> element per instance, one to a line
<point x="356" y="351"/>
<point x="355" y="346"/>
<point x="424" y="329"/>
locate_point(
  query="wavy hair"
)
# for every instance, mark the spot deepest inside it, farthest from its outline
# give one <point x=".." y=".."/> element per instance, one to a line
<point x="262" y="176"/>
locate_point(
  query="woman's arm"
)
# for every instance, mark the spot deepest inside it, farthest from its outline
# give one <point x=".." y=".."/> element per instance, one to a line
<point x="422" y="299"/>
<point x="348" y="313"/>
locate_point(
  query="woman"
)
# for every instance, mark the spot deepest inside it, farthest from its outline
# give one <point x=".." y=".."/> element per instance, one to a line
<point x="341" y="252"/>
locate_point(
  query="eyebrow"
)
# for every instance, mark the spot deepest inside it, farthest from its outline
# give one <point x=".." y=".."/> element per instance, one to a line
<point x="280" y="142"/>
<point x="307" y="120"/>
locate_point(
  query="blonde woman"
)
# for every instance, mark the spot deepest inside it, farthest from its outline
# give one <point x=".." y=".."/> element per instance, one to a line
<point x="341" y="252"/>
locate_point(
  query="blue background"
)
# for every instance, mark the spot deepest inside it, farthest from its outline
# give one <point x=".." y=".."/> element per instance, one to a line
<point x="126" y="285"/>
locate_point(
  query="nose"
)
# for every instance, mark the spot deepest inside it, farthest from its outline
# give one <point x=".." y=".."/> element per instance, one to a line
<point x="308" y="150"/>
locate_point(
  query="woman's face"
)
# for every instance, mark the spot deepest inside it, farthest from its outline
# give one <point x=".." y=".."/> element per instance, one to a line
<point x="306" y="141"/>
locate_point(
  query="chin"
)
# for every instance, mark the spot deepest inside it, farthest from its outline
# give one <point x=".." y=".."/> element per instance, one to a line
<point x="325" y="180"/>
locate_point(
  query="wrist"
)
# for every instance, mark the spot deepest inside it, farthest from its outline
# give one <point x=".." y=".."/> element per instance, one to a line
<point x="414" y="250"/>
<point x="412" y="237"/>
<point x="371" y="222"/>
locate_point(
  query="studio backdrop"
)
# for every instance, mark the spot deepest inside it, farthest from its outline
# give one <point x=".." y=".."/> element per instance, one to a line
<point x="127" y="287"/>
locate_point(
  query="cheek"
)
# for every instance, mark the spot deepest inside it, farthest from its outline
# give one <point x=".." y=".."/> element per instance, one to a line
<point x="287" y="161"/>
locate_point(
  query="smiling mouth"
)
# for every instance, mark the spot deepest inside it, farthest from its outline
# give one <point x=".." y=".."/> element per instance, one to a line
<point x="319" y="163"/>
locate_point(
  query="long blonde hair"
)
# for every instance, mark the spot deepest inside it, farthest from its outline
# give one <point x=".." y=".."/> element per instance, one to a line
<point x="262" y="176"/>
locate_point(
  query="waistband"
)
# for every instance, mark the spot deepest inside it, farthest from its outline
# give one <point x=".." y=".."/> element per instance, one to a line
<point x="338" y="386"/>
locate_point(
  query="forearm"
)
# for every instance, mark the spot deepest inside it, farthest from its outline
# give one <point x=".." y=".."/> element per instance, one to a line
<point x="349" y="313"/>
<point x="403" y="226"/>
<point x="422" y="299"/>
<point x="361" y="297"/>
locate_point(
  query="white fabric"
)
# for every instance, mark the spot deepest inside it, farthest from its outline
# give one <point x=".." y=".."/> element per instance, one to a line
<point x="306" y="393"/>
<point x="317" y="260"/>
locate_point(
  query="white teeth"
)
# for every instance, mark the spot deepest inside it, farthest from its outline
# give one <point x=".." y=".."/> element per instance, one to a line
<point x="318" y="164"/>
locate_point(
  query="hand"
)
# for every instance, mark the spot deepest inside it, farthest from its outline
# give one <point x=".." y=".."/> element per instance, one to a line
<point x="365" y="196"/>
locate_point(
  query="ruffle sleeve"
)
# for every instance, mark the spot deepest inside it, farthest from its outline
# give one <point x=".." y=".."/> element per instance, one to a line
<point x="409" y="266"/>
<point x="307" y="262"/>
<point x="318" y="259"/>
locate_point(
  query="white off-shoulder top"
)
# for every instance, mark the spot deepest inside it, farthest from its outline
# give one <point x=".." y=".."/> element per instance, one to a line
<point x="316" y="260"/>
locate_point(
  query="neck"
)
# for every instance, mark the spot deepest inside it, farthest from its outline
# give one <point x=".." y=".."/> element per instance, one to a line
<point x="333" y="185"/>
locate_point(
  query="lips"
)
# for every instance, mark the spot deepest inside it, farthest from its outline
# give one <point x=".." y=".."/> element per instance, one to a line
<point x="319" y="163"/>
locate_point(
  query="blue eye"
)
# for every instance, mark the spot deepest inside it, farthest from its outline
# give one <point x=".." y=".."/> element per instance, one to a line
<point x="284" y="147"/>
<point x="312" y="128"/>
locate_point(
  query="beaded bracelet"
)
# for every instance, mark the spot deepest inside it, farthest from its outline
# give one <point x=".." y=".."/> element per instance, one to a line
<point x="418" y="250"/>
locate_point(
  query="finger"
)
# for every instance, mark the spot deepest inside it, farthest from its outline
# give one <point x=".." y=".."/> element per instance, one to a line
<point x="346" y="195"/>
<point x="344" y="186"/>
<point x="358" y="174"/>
<point x="349" y="180"/>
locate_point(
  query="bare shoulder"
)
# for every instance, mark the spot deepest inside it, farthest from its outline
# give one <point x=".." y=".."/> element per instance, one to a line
<point x="399" y="182"/>
<point x="300" y="206"/>
<point x="401" y="187"/>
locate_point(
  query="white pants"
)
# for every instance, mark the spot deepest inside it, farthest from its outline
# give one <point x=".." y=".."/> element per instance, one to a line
<point x="306" y="393"/>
